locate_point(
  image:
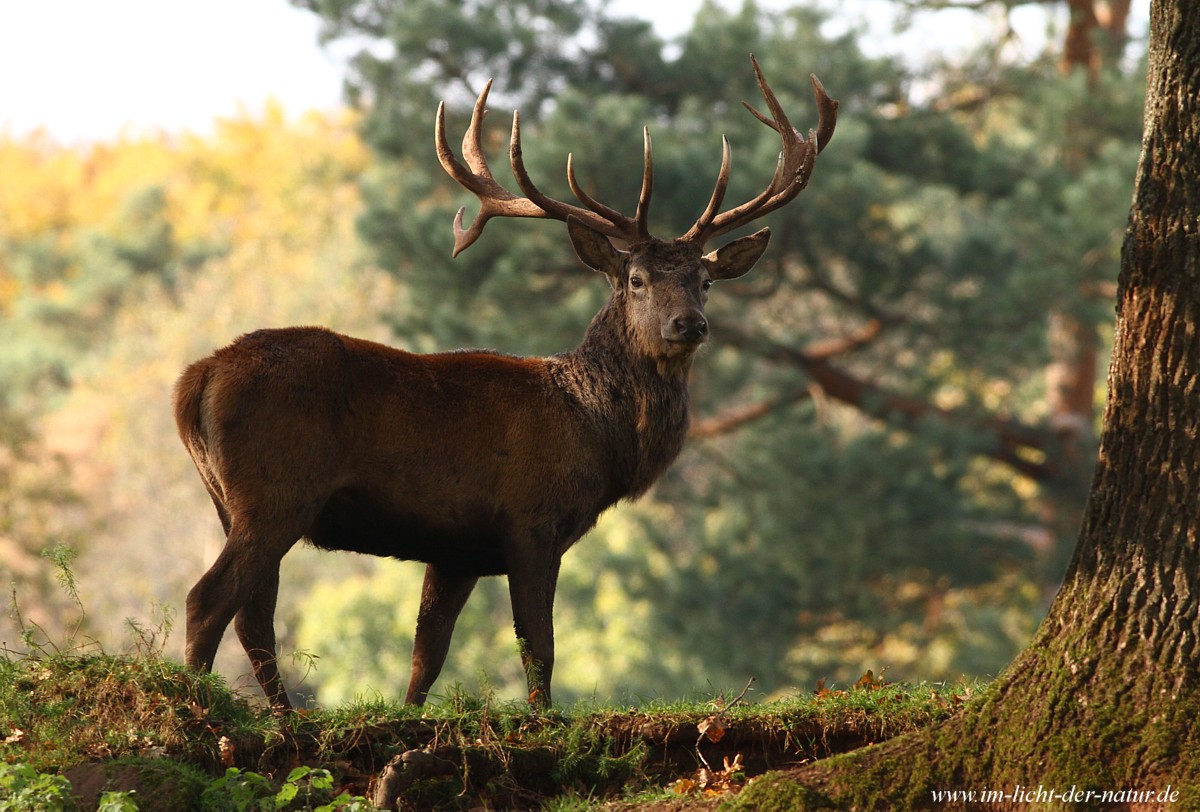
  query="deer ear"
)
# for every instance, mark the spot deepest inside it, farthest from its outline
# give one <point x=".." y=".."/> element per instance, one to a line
<point x="596" y="251"/>
<point x="738" y="257"/>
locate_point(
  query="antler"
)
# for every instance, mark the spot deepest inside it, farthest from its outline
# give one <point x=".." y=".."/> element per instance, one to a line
<point x="792" y="172"/>
<point x="496" y="201"/>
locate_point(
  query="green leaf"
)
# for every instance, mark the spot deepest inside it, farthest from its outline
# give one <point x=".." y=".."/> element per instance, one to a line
<point x="286" y="794"/>
<point x="298" y="773"/>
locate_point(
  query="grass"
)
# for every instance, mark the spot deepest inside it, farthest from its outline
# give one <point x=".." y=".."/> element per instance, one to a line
<point x="59" y="710"/>
<point x="137" y="731"/>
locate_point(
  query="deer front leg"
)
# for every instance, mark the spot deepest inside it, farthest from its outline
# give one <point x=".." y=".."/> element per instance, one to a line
<point x="443" y="596"/>
<point x="532" y="580"/>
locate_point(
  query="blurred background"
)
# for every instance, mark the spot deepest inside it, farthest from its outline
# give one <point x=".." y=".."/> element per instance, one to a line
<point x="895" y="423"/>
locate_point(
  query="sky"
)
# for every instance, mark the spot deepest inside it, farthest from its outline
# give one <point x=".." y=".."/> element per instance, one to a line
<point x="86" y="70"/>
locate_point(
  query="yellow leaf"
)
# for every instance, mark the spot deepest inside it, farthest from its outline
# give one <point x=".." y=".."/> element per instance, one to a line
<point x="683" y="786"/>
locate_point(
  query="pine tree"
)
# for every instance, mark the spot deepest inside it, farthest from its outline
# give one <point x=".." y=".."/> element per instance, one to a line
<point x="1106" y="696"/>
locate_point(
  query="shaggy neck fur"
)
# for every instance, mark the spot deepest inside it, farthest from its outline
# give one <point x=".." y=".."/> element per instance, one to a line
<point x="639" y="403"/>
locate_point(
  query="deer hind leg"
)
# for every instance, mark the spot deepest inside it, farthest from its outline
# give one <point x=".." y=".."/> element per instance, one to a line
<point x="255" y="626"/>
<point x="443" y="596"/>
<point x="245" y="575"/>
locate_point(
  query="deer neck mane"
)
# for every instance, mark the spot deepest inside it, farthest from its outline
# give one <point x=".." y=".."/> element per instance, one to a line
<point x="639" y="404"/>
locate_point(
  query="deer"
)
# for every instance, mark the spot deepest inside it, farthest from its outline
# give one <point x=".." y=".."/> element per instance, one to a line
<point x="472" y="462"/>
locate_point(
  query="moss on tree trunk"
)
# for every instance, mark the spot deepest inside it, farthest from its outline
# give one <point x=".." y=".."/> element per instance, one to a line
<point x="1107" y="695"/>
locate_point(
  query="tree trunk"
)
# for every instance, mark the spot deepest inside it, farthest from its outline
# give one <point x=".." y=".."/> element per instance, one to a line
<point x="1091" y="42"/>
<point x="1107" y="696"/>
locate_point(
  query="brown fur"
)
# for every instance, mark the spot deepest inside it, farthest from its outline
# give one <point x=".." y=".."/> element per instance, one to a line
<point x="472" y="462"/>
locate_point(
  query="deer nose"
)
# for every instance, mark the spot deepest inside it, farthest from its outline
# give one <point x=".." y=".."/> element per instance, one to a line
<point x="689" y="326"/>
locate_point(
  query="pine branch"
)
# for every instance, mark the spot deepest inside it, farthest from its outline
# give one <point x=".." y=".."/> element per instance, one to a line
<point x="1024" y="448"/>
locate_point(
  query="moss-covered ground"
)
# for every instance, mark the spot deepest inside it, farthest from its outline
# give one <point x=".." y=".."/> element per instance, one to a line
<point x="154" y="735"/>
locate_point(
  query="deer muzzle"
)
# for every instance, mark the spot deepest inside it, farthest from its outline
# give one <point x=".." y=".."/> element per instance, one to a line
<point x="688" y="327"/>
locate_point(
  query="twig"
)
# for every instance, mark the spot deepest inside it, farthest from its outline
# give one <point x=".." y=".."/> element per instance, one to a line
<point x="716" y="723"/>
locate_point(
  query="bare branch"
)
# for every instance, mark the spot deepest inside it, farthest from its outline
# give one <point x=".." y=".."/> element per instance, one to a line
<point x="1022" y="447"/>
<point x="733" y="419"/>
<point x="841" y="345"/>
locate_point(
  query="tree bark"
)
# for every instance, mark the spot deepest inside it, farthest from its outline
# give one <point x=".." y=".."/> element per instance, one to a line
<point x="1095" y="37"/>
<point x="1106" y="697"/>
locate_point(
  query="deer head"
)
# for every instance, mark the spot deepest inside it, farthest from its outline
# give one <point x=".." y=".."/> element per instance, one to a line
<point x="663" y="282"/>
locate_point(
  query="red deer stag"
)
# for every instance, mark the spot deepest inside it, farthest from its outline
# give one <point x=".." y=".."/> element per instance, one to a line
<point x="472" y="462"/>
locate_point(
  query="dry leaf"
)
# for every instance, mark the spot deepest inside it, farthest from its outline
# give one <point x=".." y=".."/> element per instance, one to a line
<point x="713" y="728"/>
<point x="869" y="681"/>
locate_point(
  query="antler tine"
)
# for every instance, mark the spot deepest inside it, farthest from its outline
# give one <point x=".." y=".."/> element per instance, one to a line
<point x="603" y="219"/>
<point x="718" y="195"/>
<point x="639" y="225"/>
<point x="780" y="122"/>
<point x="827" y="109"/>
<point x="826" y="114"/>
<point x="496" y="201"/>
<point x="642" y="215"/>
<point x="585" y="198"/>
<point x="795" y="165"/>
<point x="472" y="149"/>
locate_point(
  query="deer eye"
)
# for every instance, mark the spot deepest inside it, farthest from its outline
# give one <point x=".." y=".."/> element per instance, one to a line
<point x="706" y="284"/>
<point x="636" y="282"/>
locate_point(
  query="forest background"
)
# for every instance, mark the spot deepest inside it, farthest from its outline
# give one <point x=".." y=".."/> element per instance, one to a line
<point x="895" y="421"/>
